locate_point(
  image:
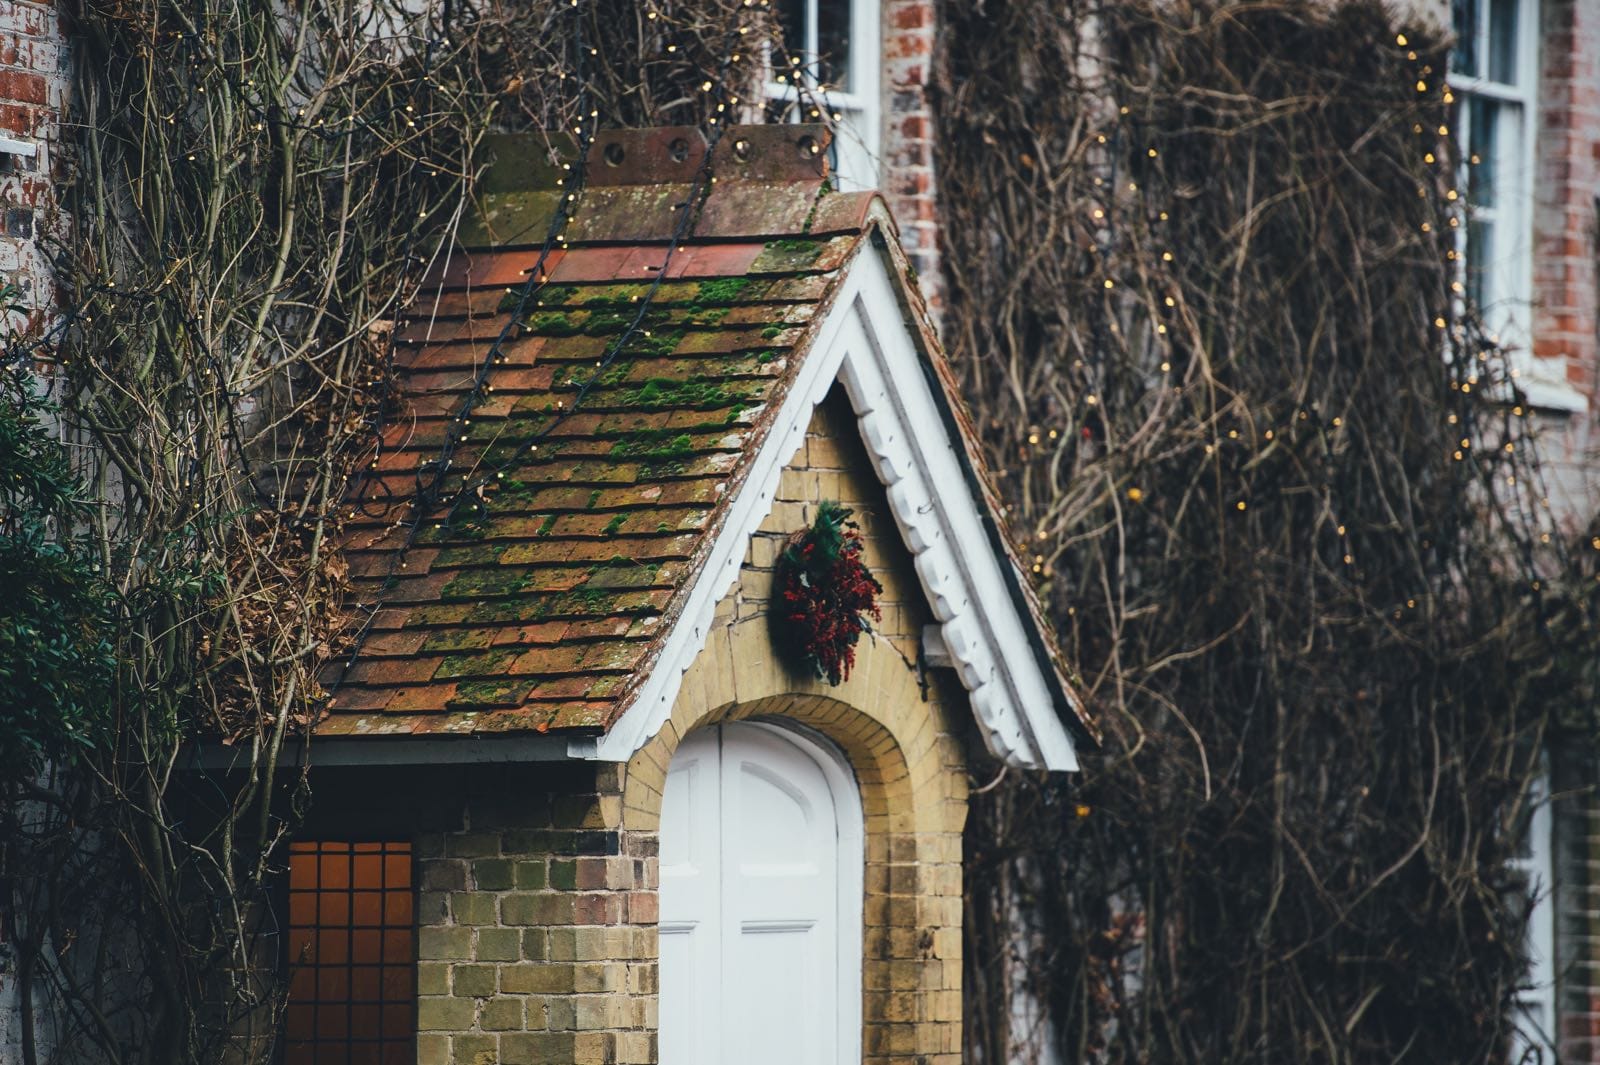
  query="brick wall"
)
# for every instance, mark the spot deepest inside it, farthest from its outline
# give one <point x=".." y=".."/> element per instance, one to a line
<point x="536" y="937"/>
<point x="900" y="729"/>
<point x="33" y="85"/>
<point x="1566" y="323"/>
<point x="1575" y="855"/>
<point x="1566" y="293"/>
<point x="538" y="896"/>
<point x="908" y="176"/>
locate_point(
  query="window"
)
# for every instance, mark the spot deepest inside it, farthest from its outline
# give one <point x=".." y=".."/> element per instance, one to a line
<point x="1532" y="869"/>
<point x="1494" y="77"/>
<point x="837" y="43"/>
<point x="351" y="955"/>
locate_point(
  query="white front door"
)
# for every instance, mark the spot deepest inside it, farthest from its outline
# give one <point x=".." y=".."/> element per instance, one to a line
<point x="761" y="866"/>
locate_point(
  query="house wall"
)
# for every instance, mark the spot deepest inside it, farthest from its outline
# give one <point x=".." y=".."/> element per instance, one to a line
<point x="1566" y="330"/>
<point x="537" y="924"/>
<point x="33" y="87"/>
<point x="907" y="174"/>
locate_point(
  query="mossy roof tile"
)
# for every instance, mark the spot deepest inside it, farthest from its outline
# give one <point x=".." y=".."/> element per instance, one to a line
<point x="596" y="467"/>
<point x="533" y="612"/>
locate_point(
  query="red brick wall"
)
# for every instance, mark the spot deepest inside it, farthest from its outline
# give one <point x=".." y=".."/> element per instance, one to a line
<point x="1566" y="296"/>
<point x="908" y="177"/>
<point x="32" y="89"/>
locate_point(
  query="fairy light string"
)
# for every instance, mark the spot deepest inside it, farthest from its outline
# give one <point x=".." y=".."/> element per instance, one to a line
<point x="429" y="497"/>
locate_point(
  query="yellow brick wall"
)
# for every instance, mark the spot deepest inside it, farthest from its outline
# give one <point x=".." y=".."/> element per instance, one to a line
<point x="898" y="726"/>
<point x="538" y="908"/>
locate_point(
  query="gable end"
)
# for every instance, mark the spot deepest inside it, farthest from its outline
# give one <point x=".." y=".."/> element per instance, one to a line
<point x="864" y="342"/>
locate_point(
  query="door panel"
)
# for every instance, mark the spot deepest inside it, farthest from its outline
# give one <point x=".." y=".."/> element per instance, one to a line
<point x="750" y="903"/>
<point x="691" y="872"/>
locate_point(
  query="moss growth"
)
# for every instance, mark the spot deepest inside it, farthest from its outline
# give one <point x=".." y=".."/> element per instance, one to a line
<point x="652" y="444"/>
<point x="656" y="345"/>
<point x="766" y="356"/>
<point x="707" y="318"/>
<point x="553" y="324"/>
<point x="474" y="693"/>
<point x="487" y="663"/>
<point x="594" y="497"/>
<point x="795" y="244"/>
<point x="790" y="253"/>
<point x="589" y="600"/>
<point x="652" y="471"/>
<point x="623" y="573"/>
<point x="697" y="393"/>
<point x="557" y="294"/>
<point x="614" y="526"/>
<point x="607" y="323"/>
<point x="545" y="526"/>
<point x="771" y="331"/>
<point x="721" y="290"/>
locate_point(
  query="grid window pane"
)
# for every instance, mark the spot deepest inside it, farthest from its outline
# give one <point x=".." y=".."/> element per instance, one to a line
<point x="1503" y="41"/>
<point x="1464" y="57"/>
<point x="352" y="954"/>
<point x="833" y="43"/>
<point x="1486" y="157"/>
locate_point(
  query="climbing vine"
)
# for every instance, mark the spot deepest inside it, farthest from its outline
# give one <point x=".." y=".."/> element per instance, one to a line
<point x="252" y="191"/>
<point x="1283" y="496"/>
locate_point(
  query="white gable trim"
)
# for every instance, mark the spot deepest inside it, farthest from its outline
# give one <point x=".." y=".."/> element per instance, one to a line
<point x="865" y="343"/>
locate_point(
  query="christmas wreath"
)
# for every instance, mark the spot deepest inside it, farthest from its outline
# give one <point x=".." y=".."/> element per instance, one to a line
<point x="824" y="595"/>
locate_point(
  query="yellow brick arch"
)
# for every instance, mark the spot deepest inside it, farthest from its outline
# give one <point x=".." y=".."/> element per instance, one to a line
<point x="899" y="740"/>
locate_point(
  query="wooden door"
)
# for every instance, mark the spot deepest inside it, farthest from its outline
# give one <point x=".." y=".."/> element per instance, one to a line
<point x="760" y="901"/>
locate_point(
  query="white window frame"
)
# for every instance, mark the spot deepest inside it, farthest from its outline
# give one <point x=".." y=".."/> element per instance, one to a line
<point x="1508" y="306"/>
<point x="858" y="132"/>
<point x="1534" y="1039"/>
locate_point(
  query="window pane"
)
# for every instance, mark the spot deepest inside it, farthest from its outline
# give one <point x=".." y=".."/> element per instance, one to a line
<point x="1480" y="252"/>
<point x="792" y="21"/>
<point x="1464" y="57"/>
<point x="348" y="952"/>
<point x="1503" y="41"/>
<point x="833" y="44"/>
<point x="1485" y="162"/>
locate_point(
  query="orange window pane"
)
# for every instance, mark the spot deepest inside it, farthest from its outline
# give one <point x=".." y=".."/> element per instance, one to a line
<point x="397" y="1019"/>
<point x="397" y="946"/>
<point x="351" y="954"/>
<point x="333" y="909"/>
<point x="302" y="945"/>
<point x="332" y="1025"/>
<point x="300" y="1024"/>
<point x="366" y="983"/>
<point x="334" y="872"/>
<point x="367" y="946"/>
<point x="302" y="909"/>
<point x="367" y="909"/>
<point x="333" y="984"/>
<point x="397" y="984"/>
<point x="302" y="986"/>
<point x="364" y="1022"/>
<point x="397" y="908"/>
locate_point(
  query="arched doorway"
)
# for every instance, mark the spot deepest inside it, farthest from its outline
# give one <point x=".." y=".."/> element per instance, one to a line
<point x="761" y="900"/>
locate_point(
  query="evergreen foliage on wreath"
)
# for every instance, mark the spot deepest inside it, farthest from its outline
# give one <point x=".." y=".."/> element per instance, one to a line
<point x="824" y="596"/>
